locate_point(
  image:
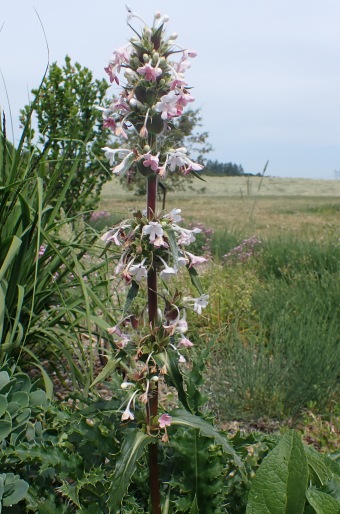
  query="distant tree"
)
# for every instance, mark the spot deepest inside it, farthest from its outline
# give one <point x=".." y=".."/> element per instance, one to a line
<point x="221" y="168"/>
<point x="69" y="126"/>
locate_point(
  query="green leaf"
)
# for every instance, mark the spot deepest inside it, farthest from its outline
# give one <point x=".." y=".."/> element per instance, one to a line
<point x="4" y="379"/>
<point x="322" y="468"/>
<point x="132" y="449"/>
<point x="194" y="507"/>
<point x="194" y="277"/>
<point x="110" y="366"/>
<point x="183" y="418"/>
<point x="322" y="503"/>
<point x="169" y="359"/>
<point x="13" y="250"/>
<point x="133" y="291"/>
<point x="3" y="404"/>
<point x="281" y="480"/>
<point x="15" y="490"/>
<point x="5" y="428"/>
<point x="173" y="245"/>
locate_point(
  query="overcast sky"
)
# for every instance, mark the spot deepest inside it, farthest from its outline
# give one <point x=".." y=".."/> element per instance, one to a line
<point x="267" y="75"/>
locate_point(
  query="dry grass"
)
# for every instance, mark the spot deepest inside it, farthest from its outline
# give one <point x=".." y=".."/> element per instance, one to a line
<point x="273" y="206"/>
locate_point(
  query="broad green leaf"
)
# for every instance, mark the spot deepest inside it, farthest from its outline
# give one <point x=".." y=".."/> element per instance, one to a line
<point x="4" y="379"/>
<point x="5" y="428"/>
<point x="132" y="449"/>
<point x="38" y="398"/>
<point x="281" y="480"/>
<point x="322" y="503"/>
<point x="332" y="487"/>
<point x="184" y="418"/>
<point x="322" y="468"/>
<point x="3" y="404"/>
<point x="109" y="367"/>
<point x="14" y="492"/>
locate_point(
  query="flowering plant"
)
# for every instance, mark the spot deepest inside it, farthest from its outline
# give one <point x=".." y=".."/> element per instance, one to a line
<point x="151" y="339"/>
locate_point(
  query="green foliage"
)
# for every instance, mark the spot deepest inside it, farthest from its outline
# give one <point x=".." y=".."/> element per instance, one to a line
<point x="281" y="481"/>
<point x="67" y="118"/>
<point x="275" y="323"/>
<point x="293" y="476"/>
<point x="52" y="282"/>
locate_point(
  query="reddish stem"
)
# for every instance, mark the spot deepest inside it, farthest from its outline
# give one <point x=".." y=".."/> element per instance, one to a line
<point x="152" y="407"/>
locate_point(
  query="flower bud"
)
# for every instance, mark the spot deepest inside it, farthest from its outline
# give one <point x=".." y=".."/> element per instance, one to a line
<point x="165" y="18"/>
<point x="157" y="15"/>
<point x="155" y="58"/>
<point x="147" y="148"/>
<point x="155" y="378"/>
<point x="174" y="35"/>
<point x="144" y="132"/>
<point x="147" y="32"/>
<point x="162" y="61"/>
<point x="126" y="385"/>
<point x="146" y="57"/>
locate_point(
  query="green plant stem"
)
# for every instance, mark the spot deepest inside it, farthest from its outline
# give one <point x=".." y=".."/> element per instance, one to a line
<point x="152" y="406"/>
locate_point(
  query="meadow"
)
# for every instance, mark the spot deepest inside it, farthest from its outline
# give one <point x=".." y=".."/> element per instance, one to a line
<point x="270" y="206"/>
<point x="277" y="310"/>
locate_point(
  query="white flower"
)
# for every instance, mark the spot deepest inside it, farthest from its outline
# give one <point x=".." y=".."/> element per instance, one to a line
<point x="138" y="271"/>
<point x="174" y="215"/>
<point x="154" y="229"/>
<point x="200" y="303"/>
<point x="125" y="165"/>
<point x="168" y="271"/>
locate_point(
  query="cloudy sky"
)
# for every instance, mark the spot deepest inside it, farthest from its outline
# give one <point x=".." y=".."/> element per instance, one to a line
<point x="267" y="75"/>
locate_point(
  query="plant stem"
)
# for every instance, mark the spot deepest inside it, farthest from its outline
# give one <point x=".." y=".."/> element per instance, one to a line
<point x="152" y="406"/>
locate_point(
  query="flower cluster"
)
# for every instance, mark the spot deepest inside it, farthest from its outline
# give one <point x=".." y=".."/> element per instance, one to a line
<point x="154" y="94"/>
<point x="153" y="245"/>
<point x="159" y="244"/>
<point x="244" y="251"/>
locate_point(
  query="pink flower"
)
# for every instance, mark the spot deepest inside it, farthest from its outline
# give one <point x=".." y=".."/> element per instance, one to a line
<point x="150" y="74"/>
<point x="164" y="420"/>
<point x="195" y="260"/>
<point x="177" y="83"/>
<point x="185" y="342"/>
<point x="111" y="71"/>
<point x="183" y="99"/>
<point x="109" y="123"/>
<point x="151" y="161"/>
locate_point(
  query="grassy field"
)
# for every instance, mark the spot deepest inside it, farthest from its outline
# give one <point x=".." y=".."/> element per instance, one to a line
<point x="265" y="207"/>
